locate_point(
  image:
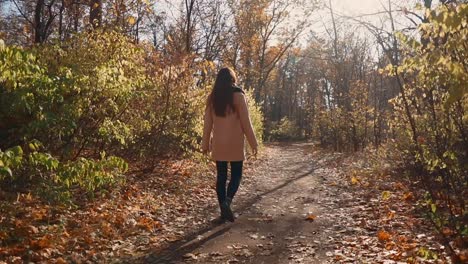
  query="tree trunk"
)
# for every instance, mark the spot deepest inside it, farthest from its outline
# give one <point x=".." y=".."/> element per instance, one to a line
<point x="189" y="6"/>
<point x="95" y="13"/>
<point x="38" y="25"/>
<point x="60" y="29"/>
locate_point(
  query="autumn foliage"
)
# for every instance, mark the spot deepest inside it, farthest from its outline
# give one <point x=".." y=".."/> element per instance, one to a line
<point x="86" y="100"/>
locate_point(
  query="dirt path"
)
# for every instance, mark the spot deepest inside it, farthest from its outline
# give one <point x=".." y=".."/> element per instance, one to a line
<point x="295" y="182"/>
<point x="271" y="227"/>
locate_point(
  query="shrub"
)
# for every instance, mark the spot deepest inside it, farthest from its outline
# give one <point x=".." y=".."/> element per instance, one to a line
<point x="285" y="130"/>
<point x="431" y="122"/>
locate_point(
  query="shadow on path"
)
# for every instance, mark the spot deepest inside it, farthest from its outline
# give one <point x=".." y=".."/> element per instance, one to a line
<point x="189" y="243"/>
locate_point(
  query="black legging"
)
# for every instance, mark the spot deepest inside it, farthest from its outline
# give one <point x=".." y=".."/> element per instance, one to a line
<point x="236" y="175"/>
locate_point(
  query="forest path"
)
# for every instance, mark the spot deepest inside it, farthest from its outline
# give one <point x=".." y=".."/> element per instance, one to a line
<point x="292" y="184"/>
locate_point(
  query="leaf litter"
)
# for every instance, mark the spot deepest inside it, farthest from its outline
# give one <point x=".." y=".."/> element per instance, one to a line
<point x="364" y="217"/>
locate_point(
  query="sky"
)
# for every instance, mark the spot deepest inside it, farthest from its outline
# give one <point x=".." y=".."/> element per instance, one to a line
<point x="365" y="10"/>
<point x="321" y="18"/>
<point x="357" y="7"/>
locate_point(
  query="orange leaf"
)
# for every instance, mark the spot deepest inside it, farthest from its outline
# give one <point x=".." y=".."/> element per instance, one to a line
<point x="148" y="224"/>
<point x="408" y="196"/>
<point x="65" y="234"/>
<point x="39" y="214"/>
<point x="398" y="185"/>
<point x="60" y="261"/>
<point x="383" y="236"/>
<point x="447" y="231"/>
<point x="3" y="235"/>
<point x="463" y="256"/>
<point x="389" y="245"/>
<point x="43" y="242"/>
<point x="311" y="217"/>
<point x="18" y="223"/>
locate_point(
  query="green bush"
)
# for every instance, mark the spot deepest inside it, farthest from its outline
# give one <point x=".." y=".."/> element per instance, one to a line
<point x="73" y="98"/>
<point x="256" y="116"/>
<point x="45" y="171"/>
<point x="285" y="129"/>
<point x="431" y="122"/>
<point x="96" y="93"/>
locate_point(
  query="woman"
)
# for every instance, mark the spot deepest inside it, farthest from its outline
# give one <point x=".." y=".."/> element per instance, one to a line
<point x="227" y="116"/>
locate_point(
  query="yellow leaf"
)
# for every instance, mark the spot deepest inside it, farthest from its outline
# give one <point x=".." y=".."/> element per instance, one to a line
<point x="354" y="180"/>
<point x="386" y="195"/>
<point x="131" y="20"/>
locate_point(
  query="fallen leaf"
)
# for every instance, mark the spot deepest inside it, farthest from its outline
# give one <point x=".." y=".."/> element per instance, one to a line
<point x="447" y="231"/>
<point x="391" y="215"/>
<point x="463" y="256"/>
<point x="3" y="235"/>
<point x="43" y="242"/>
<point x="190" y="256"/>
<point x="383" y="236"/>
<point x="60" y="261"/>
<point x="408" y="196"/>
<point x="253" y="236"/>
<point x="33" y="229"/>
<point x="386" y="195"/>
<point x="311" y="217"/>
<point x="39" y="214"/>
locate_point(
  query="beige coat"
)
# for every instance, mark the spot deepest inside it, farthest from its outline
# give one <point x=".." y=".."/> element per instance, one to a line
<point x="227" y="143"/>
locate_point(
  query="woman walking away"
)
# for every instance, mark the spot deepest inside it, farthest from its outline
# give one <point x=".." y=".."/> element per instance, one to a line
<point x="227" y="116"/>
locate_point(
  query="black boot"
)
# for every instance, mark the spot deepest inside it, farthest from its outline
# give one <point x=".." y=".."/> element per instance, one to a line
<point x="226" y="211"/>
<point x="223" y="210"/>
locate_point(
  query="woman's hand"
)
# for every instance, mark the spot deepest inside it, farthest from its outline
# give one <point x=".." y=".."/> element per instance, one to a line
<point x="254" y="152"/>
<point x="205" y="151"/>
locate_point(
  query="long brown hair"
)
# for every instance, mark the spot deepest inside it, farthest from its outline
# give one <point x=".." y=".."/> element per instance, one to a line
<point x="221" y="97"/>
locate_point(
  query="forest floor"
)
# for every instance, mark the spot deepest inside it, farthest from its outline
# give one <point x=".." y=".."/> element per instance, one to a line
<point x="297" y="204"/>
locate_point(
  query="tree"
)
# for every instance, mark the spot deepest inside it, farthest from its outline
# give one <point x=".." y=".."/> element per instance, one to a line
<point x="95" y="13"/>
